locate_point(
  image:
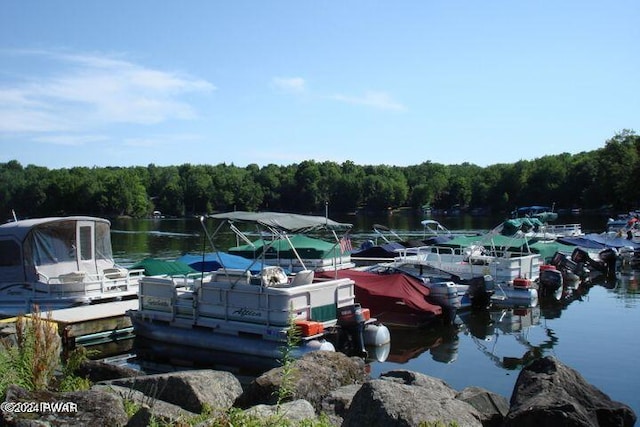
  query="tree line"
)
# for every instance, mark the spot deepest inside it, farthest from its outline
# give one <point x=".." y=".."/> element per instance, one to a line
<point x="603" y="177"/>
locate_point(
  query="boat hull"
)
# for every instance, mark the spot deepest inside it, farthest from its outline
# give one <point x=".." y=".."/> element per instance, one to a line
<point x="208" y="339"/>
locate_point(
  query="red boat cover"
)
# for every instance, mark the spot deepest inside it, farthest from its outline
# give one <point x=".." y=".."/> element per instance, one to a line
<point x="388" y="292"/>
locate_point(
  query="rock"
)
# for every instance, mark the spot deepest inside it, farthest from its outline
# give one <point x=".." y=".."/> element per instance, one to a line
<point x="336" y="404"/>
<point x="191" y="390"/>
<point x="142" y="417"/>
<point x="159" y="409"/>
<point x="296" y="410"/>
<point x="78" y="408"/>
<point x="313" y="377"/>
<point x="97" y="371"/>
<point x="385" y="402"/>
<point x="548" y="392"/>
<point x="436" y="385"/>
<point x="492" y="407"/>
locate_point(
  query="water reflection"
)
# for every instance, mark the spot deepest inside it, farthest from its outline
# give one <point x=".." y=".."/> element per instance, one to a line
<point x="440" y="341"/>
<point x="488" y="331"/>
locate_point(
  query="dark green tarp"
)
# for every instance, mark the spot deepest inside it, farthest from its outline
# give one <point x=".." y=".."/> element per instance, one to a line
<point x="157" y="267"/>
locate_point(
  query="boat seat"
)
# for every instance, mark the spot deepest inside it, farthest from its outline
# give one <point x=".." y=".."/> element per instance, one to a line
<point x="115" y="273"/>
<point x="304" y="277"/>
<point x="73" y="277"/>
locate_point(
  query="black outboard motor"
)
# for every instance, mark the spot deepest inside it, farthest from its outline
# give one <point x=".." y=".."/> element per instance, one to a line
<point x="351" y="319"/>
<point x="481" y="288"/>
<point x="565" y="264"/>
<point x="609" y="257"/>
<point x="606" y="263"/>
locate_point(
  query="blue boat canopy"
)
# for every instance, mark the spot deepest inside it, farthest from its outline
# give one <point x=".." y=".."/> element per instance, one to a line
<point x="213" y="261"/>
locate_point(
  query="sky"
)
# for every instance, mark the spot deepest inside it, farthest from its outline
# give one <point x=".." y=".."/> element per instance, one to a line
<point x="132" y="83"/>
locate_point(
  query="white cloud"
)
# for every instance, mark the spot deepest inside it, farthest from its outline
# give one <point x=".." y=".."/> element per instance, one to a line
<point x="374" y="99"/>
<point x="158" y="140"/>
<point x="71" y="140"/>
<point x="91" y="91"/>
<point x="290" y="84"/>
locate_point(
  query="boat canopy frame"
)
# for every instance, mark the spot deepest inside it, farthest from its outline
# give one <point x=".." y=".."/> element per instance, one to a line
<point x="280" y="225"/>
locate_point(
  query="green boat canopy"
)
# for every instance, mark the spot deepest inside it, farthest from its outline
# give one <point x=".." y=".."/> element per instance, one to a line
<point x="287" y="222"/>
<point x="307" y="247"/>
<point x="511" y="226"/>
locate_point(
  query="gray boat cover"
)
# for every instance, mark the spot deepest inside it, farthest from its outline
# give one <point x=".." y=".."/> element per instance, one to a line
<point x="287" y="222"/>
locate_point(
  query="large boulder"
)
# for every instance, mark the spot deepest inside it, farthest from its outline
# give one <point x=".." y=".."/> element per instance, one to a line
<point x="312" y="377"/>
<point x="491" y="406"/>
<point x="548" y="392"/>
<point x="193" y="391"/>
<point x="408" y="399"/>
<point x="43" y="408"/>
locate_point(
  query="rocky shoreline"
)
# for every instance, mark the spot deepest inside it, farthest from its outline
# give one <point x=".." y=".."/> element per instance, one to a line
<point x="546" y="393"/>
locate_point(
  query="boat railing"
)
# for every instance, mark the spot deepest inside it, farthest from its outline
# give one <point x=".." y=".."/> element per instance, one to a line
<point x="479" y="261"/>
<point x="243" y="302"/>
<point x="110" y="281"/>
<point x="564" y="229"/>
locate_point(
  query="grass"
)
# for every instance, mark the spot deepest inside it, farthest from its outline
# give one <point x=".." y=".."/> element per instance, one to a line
<point x="34" y="358"/>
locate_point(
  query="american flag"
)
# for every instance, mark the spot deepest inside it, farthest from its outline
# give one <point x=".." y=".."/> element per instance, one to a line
<point x="345" y="244"/>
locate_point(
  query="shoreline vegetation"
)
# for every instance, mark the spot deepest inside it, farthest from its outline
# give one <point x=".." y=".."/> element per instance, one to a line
<point x="599" y="180"/>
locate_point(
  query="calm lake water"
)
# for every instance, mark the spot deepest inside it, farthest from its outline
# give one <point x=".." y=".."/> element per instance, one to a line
<point x="594" y="330"/>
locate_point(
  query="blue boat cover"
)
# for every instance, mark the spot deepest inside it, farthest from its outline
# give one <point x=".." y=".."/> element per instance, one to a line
<point x="388" y="250"/>
<point x="215" y="260"/>
<point x="599" y="241"/>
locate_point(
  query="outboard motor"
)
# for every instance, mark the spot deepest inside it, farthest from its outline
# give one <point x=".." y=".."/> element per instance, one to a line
<point x="481" y="288"/>
<point x="551" y="280"/>
<point x="567" y="265"/>
<point x="609" y="257"/>
<point x="606" y="263"/>
<point x="351" y="319"/>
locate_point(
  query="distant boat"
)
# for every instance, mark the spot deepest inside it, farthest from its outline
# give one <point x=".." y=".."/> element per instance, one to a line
<point x="543" y="213"/>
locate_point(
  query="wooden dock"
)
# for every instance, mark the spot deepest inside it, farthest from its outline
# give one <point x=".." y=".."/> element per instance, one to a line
<point x="91" y="325"/>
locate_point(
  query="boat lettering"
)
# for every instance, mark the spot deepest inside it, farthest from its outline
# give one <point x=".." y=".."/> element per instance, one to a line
<point x="246" y="312"/>
<point x="157" y="302"/>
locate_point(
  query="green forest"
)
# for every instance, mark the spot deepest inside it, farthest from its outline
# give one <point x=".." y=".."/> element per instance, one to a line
<point x="589" y="180"/>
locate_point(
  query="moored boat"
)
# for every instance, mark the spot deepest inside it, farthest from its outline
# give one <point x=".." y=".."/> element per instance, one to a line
<point x="446" y="289"/>
<point x="253" y="314"/>
<point x="467" y="260"/>
<point x="60" y="262"/>
<point x="397" y="299"/>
